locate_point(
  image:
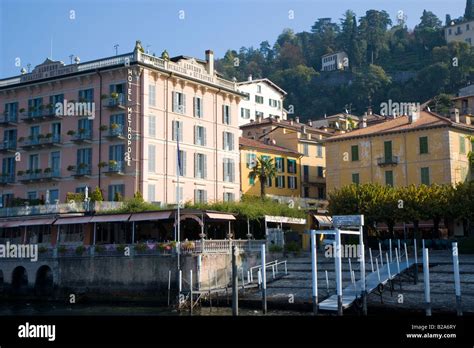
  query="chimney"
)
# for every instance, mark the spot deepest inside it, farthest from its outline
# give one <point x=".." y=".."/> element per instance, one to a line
<point x="303" y="129"/>
<point x="454" y="115"/>
<point x="250" y="78"/>
<point x="210" y="62"/>
<point x="413" y="114"/>
<point x="297" y="119"/>
<point x="291" y="121"/>
<point x="277" y="118"/>
<point x="466" y="119"/>
<point x="363" y="124"/>
<point x="257" y="118"/>
<point x="369" y="111"/>
<point x="310" y="123"/>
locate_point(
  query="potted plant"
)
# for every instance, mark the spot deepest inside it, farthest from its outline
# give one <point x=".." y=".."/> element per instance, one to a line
<point x="20" y="172"/>
<point x="42" y="249"/>
<point x="71" y="132"/>
<point x="82" y="130"/>
<point x="49" y="135"/>
<point x="22" y="110"/>
<point x="80" y="249"/>
<point x="62" y="249"/>
<point x="37" y="171"/>
<point x="71" y="168"/>
<point x="114" y="126"/>
<point x="120" y="248"/>
<point x="102" y="164"/>
<point x="41" y="136"/>
<point x="99" y="249"/>
<point x="114" y="95"/>
<point x="103" y="128"/>
<point x="28" y="171"/>
<point x="82" y="165"/>
<point x="47" y="170"/>
<point x="141" y="247"/>
<point x="112" y="163"/>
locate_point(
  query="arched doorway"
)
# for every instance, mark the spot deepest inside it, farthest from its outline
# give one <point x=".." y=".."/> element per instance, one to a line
<point x="44" y="284"/>
<point x="19" y="281"/>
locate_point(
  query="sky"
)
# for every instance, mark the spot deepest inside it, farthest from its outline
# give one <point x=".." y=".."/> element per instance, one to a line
<point x="32" y="30"/>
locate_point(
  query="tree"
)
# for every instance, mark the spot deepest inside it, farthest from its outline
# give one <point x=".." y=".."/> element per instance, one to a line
<point x="96" y="195"/>
<point x="429" y="33"/>
<point x="369" y="81"/>
<point x="264" y="170"/>
<point x="373" y="28"/>
<point x="469" y="12"/>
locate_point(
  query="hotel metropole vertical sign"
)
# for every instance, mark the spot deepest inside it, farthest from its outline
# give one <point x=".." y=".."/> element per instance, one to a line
<point x="128" y="152"/>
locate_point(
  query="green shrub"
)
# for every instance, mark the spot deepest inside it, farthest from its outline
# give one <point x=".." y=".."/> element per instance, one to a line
<point x="141" y="247"/>
<point x="80" y="249"/>
<point x="42" y="249"/>
<point x="121" y="248"/>
<point x="62" y="249"/>
<point x="275" y="249"/>
<point x="99" y="249"/>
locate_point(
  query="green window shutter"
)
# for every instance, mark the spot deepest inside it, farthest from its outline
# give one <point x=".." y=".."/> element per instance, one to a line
<point x="425" y="175"/>
<point x="462" y="144"/>
<point x="389" y="178"/>
<point x="252" y="180"/>
<point x="387" y="145"/>
<point x="355" y="178"/>
<point x="423" y="145"/>
<point x="355" y="152"/>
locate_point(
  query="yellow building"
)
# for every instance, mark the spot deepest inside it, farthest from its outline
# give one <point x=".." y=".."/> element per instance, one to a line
<point x="304" y="138"/>
<point x="285" y="186"/>
<point x="420" y="149"/>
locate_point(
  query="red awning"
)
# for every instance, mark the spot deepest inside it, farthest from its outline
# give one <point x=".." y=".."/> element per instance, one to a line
<point x="73" y="220"/>
<point x="153" y="215"/>
<point x="7" y="224"/>
<point x="37" y="222"/>
<point x="111" y="218"/>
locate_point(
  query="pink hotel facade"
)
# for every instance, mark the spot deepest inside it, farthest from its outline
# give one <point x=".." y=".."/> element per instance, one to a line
<point x="142" y="104"/>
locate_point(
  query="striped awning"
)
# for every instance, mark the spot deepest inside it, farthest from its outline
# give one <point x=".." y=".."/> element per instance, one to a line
<point x="323" y="220"/>
<point x="152" y="215"/>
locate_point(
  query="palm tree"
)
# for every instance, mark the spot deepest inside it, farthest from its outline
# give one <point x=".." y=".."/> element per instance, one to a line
<point x="264" y="170"/>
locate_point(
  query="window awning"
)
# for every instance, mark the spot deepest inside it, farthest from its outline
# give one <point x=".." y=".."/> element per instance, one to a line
<point x="218" y="216"/>
<point x="153" y="215"/>
<point x="323" y="220"/>
<point x="37" y="222"/>
<point x="111" y="218"/>
<point x="73" y="220"/>
<point x="7" y="224"/>
<point x="285" y="220"/>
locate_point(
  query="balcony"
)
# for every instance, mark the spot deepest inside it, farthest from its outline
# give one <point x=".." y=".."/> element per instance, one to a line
<point x="40" y="141"/>
<point x="38" y="175"/>
<point x="116" y="101"/>
<point x="387" y="161"/>
<point x="8" y="146"/>
<point x="81" y="170"/>
<point x="7" y="179"/>
<point x="8" y="120"/>
<point x="82" y="136"/>
<point x="115" y="168"/>
<point x="116" y="131"/>
<point x="43" y="114"/>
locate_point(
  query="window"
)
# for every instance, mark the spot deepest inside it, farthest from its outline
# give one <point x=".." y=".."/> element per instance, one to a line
<point x="355" y="153"/>
<point x="259" y="89"/>
<point x="319" y="149"/>
<point x="229" y="197"/>
<point x="8" y="167"/>
<point x="306" y="173"/>
<point x="423" y="145"/>
<point x="450" y="32"/>
<point x="228" y="141"/>
<point x="200" y="135"/>
<point x="117" y="124"/>
<point x="251" y="160"/>
<point x="73" y="233"/>
<point x="55" y="163"/>
<point x="229" y="170"/>
<point x="387" y="146"/>
<point x="292" y="182"/>
<point x="200" y="196"/>
<point x="305" y="192"/>
<point x="84" y="128"/>
<point x="179" y="102"/>
<point x="280" y="181"/>
<point x="34" y="107"/>
<point x="306" y="149"/>
<point x="291" y="164"/>
<point x="273" y="103"/>
<point x="259" y="99"/>
<point x="251" y="179"/>
<point x="244" y="113"/>
<point x="259" y="114"/>
<point x="177" y="130"/>
<point x="53" y="196"/>
<point x="11" y="111"/>
<point x="151" y="126"/>
<point x="198" y="107"/>
<point x="321" y="193"/>
<point x="31" y="195"/>
<point x="389" y="178"/>
<point x="151" y="193"/>
<point x="54" y="99"/>
<point x="87" y="95"/>
<point x="200" y="165"/>
<point x="269" y="182"/>
<point x="151" y="158"/>
<point x="152" y="95"/>
<point x="116" y="192"/>
<point x="84" y="160"/>
<point x="320" y="172"/>
<point x="425" y="176"/>
<point x="462" y="145"/>
<point x="33" y="162"/>
<point x="9" y="139"/>
<point x="226" y="118"/>
<point x="280" y="164"/>
<point x="182" y="162"/>
<point x="356" y="178"/>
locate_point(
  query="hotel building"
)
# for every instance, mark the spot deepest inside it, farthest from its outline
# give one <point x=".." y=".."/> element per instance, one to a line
<point x="123" y="117"/>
